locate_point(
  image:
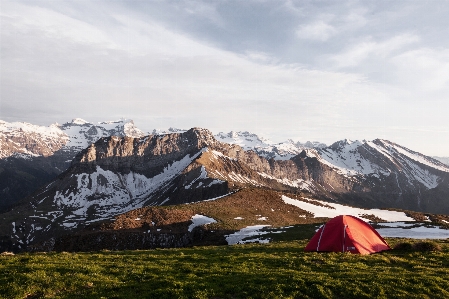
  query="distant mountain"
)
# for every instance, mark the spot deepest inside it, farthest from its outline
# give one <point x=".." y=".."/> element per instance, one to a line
<point x="168" y="131"/>
<point x="82" y="133"/>
<point x="26" y="140"/>
<point x="393" y="175"/>
<point x="31" y="155"/>
<point x="116" y="175"/>
<point x="22" y="139"/>
<point x="264" y="147"/>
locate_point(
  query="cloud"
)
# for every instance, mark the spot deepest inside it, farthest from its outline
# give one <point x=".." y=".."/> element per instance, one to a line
<point x="204" y="10"/>
<point x="355" y="18"/>
<point x="318" y="31"/>
<point x="21" y="19"/>
<point x="424" y="70"/>
<point x="260" y="57"/>
<point x="142" y="70"/>
<point x="370" y="49"/>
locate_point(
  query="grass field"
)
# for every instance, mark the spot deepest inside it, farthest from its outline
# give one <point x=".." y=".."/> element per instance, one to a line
<point x="276" y="270"/>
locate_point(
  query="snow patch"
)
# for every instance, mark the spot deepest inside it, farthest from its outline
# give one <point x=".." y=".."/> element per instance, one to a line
<point x="202" y="176"/>
<point x="249" y="231"/>
<point x="338" y="209"/>
<point x="198" y="220"/>
<point x="412" y="231"/>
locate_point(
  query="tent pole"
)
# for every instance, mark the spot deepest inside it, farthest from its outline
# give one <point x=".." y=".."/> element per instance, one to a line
<point x="319" y="240"/>
<point x="344" y="237"/>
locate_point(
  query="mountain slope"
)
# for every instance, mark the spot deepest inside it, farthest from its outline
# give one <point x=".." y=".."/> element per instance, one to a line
<point x="227" y="217"/>
<point x="381" y="168"/>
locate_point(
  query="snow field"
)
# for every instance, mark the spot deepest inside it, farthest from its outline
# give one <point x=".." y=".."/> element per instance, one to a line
<point x="404" y="230"/>
<point x="338" y="209"/>
<point x="249" y="231"/>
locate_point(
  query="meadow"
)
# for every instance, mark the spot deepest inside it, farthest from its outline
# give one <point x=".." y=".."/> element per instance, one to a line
<point x="279" y="269"/>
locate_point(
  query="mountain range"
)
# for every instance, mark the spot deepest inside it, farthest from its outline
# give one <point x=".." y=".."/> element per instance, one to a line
<point x="31" y="155"/>
<point x="65" y="179"/>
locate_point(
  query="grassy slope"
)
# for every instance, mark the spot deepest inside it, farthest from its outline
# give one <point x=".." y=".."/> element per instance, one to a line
<point x="250" y="204"/>
<point x="276" y="270"/>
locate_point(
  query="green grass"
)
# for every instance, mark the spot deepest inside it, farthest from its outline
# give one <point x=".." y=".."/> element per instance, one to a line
<point x="275" y="270"/>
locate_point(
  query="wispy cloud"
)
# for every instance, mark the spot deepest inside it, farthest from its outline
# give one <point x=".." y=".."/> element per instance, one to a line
<point x="147" y="71"/>
<point x="207" y="10"/>
<point x="371" y="49"/>
<point x="425" y="68"/>
<point x="318" y="30"/>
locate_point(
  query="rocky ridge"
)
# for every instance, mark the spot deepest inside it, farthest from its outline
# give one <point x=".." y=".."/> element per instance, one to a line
<point x="444" y="160"/>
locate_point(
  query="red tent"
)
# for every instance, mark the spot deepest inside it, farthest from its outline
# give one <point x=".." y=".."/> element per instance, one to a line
<point x="346" y="233"/>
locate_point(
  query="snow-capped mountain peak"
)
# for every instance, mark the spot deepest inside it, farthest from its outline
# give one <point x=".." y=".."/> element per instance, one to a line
<point x="167" y="131"/>
<point x="244" y="139"/>
<point x="311" y="144"/>
<point x="394" y="148"/>
<point x="444" y="160"/>
<point x="380" y="158"/>
<point x="29" y="140"/>
<point x="83" y="133"/>
<point x="79" y="121"/>
<point x="264" y="147"/>
<point x="24" y="139"/>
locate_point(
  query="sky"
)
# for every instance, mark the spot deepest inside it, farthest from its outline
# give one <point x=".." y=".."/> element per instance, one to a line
<point x="302" y="70"/>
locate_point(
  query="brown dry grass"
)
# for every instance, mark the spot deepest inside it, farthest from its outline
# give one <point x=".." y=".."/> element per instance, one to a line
<point x="254" y="206"/>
